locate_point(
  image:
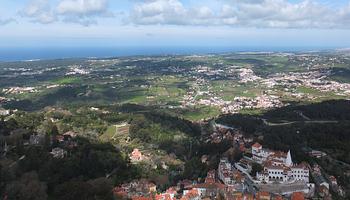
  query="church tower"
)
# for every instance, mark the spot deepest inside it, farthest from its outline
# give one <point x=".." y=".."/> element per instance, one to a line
<point x="289" y="161"/>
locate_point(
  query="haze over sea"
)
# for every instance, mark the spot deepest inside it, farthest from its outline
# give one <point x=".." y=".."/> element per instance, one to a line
<point x="47" y="53"/>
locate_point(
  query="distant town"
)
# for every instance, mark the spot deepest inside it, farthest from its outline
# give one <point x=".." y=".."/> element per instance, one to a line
<point x="279" y="177"/>
<point x="248" y="125"/>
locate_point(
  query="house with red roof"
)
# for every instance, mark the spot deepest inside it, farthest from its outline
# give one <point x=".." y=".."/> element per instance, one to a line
<point x="262" y="195"/>
<point x="136" y="155"/>
<point x="193" y="194"/>
<point x="136" y="188"/>
<point x="297" y="196"/>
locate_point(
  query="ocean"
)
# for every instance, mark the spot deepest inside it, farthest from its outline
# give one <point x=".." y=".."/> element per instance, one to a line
<point x="47" y="53"/>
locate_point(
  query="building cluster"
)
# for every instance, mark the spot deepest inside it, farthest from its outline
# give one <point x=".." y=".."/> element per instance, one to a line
<point x="19" y="90"/>
<point x="325" y="183"/>
<point x="262" y="101"/>
<point x="136" y="189"/>
<point x="295" y="85"/>
<point x="66" y="140"/>
<point x="280" y="178"/>
<point x="202" y="91"/>
<point x="313" y="61"/>
<point x="169" y="194"/>
<point x="313" y="79"/>
<point x="21" y="71"/>
<point x="75" y="69"/>
<point x="316" y="153"/>
<point x="238" y="103"/>
<point x="52" y="86"/>
<point x="61" y="144"/>
<point x="222" y="132"/>
<point x="230" y="176"/>
<point x="278" y="166"/>
<point x="247" y="75"/>
<point x="322" y="185"/>
<point x="208" y="71"/>
<point x="184" y="190"/>
<point x="335" y="186"/>
<point x="213" y="187"/>
<point x="151" y="159"/>
<point x="190" y="98"/>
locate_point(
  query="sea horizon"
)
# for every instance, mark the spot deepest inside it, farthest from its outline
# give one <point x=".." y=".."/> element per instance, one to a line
<point x="13" y="54"/>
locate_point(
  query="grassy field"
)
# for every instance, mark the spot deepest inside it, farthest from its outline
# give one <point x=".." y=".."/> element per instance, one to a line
<point x="116" y="133"/>
<point x="228" y="90"/>
<point x="110" y="132"/>
<point x="68" y="80"/>
<point x="161" y="91"/>
<point x="153" y="81"/>
<point x="197" y="113"/>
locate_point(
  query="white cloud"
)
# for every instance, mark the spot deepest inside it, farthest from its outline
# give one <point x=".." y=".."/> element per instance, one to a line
<point x="231" y="13"/>
<point x="242" y="13"/>
<point x="39" y="11"/>
<point x="282" y="14"/>
<point x="171" y="12"/>
<point x="83" y="12"/>
<point x="344" y="14"/>
<point x="159" y="12"/>
<point x="6" y="21"/>
<point x="82" y="7"/>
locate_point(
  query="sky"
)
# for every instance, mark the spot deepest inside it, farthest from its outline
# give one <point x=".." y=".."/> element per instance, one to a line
<point x="203" y="23"/>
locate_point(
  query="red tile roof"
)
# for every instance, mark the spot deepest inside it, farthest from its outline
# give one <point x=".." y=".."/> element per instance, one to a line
<point x="297" y="196"/>
<point x="162" y="197"/>
<point x="257" y="145"/>
<point x="193" y="193"/>
<point x="249" y="197"/>
<point x="136" y="154"/>
<point x="210" y="186"/>
<point x="332" y="178"/>
<point x="263" y="195"/>
<point x="171" y="190"/>
<point x="142" y="198"/>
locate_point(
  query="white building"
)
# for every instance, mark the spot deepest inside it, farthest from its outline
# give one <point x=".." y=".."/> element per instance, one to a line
<point x="4" y="112"/>
<point x="300" y="172"/>
<point x="260" y="155"/>
<point x="278" y="166"/>
<point x="284" y="174"/>
<point x="225" y="172"/>
<point x="58" y="152"/>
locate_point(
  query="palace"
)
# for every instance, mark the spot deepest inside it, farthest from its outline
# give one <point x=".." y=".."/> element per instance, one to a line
<point x="278" y="166"/>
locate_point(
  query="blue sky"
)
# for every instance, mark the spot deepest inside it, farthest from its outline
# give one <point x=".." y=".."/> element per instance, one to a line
<point x="111" y="23"/>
